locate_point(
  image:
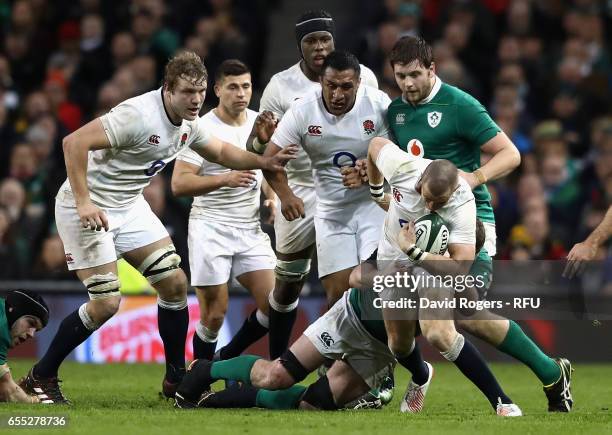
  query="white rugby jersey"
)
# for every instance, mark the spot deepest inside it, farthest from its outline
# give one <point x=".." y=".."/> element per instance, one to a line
<point x="402" y="171"/>
<point x="143" y="140"/>
<point x="239" y="206"/>
<point x="333" y="141"/>
<point x="283" y="89"/>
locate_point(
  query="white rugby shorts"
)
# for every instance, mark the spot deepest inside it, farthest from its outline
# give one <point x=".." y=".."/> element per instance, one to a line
<point x="215" y="249"/>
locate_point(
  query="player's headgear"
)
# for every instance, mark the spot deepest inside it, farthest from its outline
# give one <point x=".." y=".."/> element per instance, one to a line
<point x="25" y="303"/>
<point x="313" y="21"/>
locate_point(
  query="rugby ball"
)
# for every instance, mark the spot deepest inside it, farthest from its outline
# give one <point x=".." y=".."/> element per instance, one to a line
<point x="431" y="234"/>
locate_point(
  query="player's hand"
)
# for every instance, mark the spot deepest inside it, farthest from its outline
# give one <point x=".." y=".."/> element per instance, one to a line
<point x="293" y="208"/>
<point x="277" y="162"/>
<point x="270" y="205"/>
<point x="577" y="258"/>
<point x="351" y="177"/>
<point x="362" y="166"/>
<point x="406" y="237"/>
<point x="239" y="178"/>
<point x="265" y="124"/>
<point x="470" y="178"/>
<point x="92" y="217"/>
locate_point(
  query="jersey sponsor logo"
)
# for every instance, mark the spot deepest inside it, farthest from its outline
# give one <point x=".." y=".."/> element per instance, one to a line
<point x="153" y="139"/>
<point x="314" y="130"/>
<point x="400" y="118"/>
<point x="415" y="147"/>
<point x="368" y="126"/>
<point x="434" y="118"/>
<point x="326" y="339"/>
<point x="397" y="195"/>
<point x="183" y="139"/>
<point x="344" y="158"/>
<point x="69" y="258"/>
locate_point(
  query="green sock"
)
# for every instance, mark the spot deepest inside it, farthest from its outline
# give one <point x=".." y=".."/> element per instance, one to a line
<point x="288" y="398"/>
<point x="236" y="369"/>
<point x="521" y="347"/>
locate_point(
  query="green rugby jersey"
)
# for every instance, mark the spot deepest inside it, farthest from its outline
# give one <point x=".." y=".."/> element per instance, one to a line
<point x="5" y="334"/>
<point x="449" y="124"/>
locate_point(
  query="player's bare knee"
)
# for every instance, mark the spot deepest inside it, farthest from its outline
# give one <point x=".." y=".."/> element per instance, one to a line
<point x="96" y="312"/>
<point x="173" y="287"/>
<point x="470" y="326"/>
<point x="214" y="321"/>
<point x="399" y="344"/>
<point x="441" y="338"/>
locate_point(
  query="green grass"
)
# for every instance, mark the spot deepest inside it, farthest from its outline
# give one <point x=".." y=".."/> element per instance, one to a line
<point x="117" y="399"/>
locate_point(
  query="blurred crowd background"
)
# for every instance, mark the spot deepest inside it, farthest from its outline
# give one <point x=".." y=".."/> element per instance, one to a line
<point x="543" y="69"/>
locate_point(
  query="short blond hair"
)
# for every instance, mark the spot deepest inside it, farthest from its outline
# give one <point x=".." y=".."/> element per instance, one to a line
<point x="186" y="65"/>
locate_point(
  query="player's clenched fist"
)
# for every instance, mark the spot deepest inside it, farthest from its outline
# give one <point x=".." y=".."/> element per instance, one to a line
<point x="92" y="217"/>
<point x="239" y="178"/>
<point x="292" y="208"/>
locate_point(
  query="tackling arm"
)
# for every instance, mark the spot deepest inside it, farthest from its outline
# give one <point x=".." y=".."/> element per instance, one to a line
<point x="506" y="158"/>
<point x="187" y="182"/>
<point x="223" y="153"/>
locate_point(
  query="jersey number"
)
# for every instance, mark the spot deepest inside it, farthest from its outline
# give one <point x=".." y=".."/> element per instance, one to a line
<point x="348" y="159"/>
<point x="155" y="167"/>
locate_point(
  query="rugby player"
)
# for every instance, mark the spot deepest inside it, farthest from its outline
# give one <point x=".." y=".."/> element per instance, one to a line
<point x="295" y="240"/>
<point x="224" y="230"/>
<point x="101" y="214"/>
<point x="438" y="121"/>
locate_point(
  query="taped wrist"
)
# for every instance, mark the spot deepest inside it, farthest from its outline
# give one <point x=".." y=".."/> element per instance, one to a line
<point x="416" y="254"/>
<point x="377" y="192"/>
<point x="259" y="147"/>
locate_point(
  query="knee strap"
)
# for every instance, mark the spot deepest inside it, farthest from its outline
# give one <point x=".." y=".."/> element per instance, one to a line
<point x="160" y="264"/>
<point x="293" y="366"/>
<point x="320" y="396"/>
<point x="102" y="286"/>
<point x="292" y="271"/>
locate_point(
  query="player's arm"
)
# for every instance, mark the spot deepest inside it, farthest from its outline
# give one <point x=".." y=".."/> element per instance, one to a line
<point x="230" y="156"/>
<point x="586" y="250"/>
<point x="476" y="127"/>
<point x="375" y="177"/>
<point x="10" y="391"/>
<point x="76" y="147"/>
<point x="187" y="182"/>
<point x="459" y="261"/>
<point x="292" y="207"/>
<point x="505" y="158"/>
<point x="385" y="160"/>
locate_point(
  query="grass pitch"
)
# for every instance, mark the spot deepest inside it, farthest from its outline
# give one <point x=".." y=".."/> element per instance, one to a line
<point x="123" y="399"/>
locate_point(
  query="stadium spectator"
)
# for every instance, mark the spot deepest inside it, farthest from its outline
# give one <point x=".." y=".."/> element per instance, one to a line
<point x="51" y="263"/>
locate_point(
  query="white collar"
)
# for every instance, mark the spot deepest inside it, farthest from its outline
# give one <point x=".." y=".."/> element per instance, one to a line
<point x="434" y="91"/>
